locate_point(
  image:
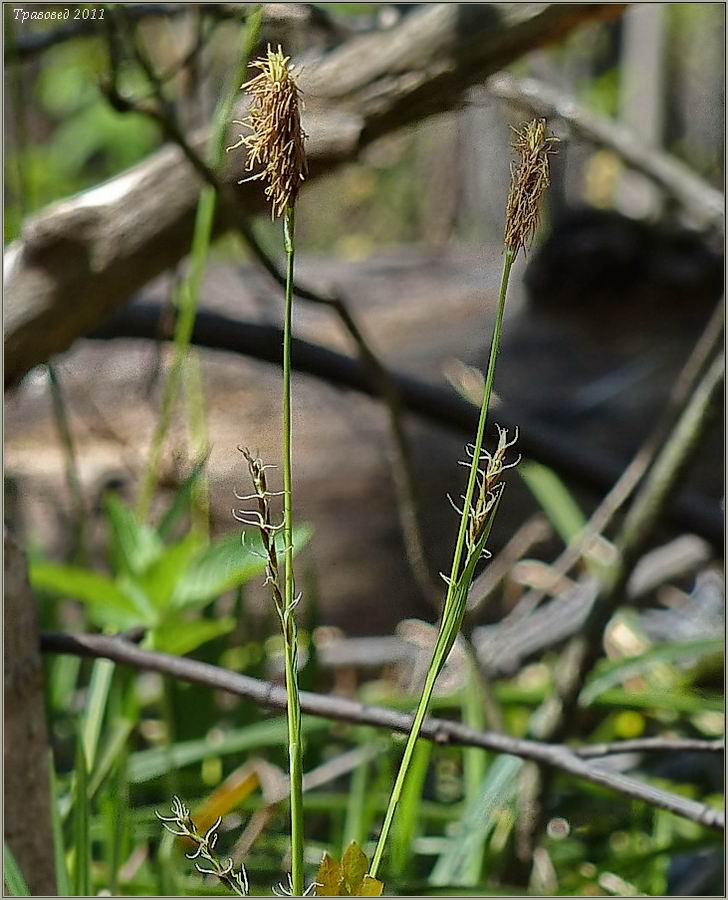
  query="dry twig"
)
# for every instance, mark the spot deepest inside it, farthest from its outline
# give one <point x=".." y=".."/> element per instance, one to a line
<point x="441" y="731"/>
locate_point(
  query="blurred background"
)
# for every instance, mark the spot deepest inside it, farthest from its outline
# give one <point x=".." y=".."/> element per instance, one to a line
<point x="399" y="239"/>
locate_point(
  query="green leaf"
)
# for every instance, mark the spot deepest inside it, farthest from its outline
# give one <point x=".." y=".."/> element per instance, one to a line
<point x="133" y="545"/>
<point x="160" y="579"/>
<point x="555" y="499"/>
<point x="497" y="792"/>
<point x="112" y="751"/>
<point x="354" y="866"/>
<point x="95" y="708"/>
<point x="148" y="764"/>
<point x="405" y="823"/>
<point x="611" y="673"/>
<point x="107" y="602"/>
<point x="370" y="887"/>
<point x="180" y="636"/>
<point x="348" y="878"/>
<point x="225" y="564"/>
<point x="329" y="878"/>
<point x="82" y="846"/>
<point x="16" y="884"/>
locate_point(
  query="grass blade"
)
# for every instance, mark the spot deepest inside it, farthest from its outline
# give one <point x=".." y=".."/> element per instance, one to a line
<point x="12" y="875"/>
<point x="148" y="764"/>
<point x="82" y="846"/>
<point x="98" y="695"/>
<point x="59" y="849"/>
<point x="405" y="825"/>
<point x="479" y="820"/>
<point x="555" y="499"/>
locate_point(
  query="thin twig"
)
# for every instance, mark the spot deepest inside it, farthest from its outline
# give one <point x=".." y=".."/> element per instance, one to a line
<point x="651" y="745"/>
<point x="342" y="709"/>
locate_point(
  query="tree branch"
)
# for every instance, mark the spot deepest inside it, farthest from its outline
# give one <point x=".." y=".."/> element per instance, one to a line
<point x="82" y="258"/>
<point x="439" y="730"/>
<point x="437" y="404"/>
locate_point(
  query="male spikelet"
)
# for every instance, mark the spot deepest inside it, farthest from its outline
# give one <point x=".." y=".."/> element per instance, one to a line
<point x="275" y="142"/>
<point x="529" y="181"/>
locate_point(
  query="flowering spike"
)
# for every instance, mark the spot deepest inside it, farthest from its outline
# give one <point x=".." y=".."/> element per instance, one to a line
<point x="275" y="143"/>
<point x="529" y="180"/>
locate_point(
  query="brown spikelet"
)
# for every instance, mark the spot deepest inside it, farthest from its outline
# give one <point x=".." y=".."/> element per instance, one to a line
<point x="529" y="180"/>
<point x="275" y="142"/>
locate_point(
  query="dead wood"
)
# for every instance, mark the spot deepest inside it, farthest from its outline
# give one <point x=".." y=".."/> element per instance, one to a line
<point x="82" y="258"/>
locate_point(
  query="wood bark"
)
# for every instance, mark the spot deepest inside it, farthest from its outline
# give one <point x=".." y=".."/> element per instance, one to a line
<point x="26" y="809"/>
<point x="82" y="258"/>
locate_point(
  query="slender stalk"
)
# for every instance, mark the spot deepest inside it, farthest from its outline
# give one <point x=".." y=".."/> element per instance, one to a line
<point x="289" y="622"/>
<point x="434" y="671"/>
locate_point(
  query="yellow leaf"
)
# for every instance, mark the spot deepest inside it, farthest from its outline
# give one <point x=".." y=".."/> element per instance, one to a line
<point x="348" y="878"/>
<point x="355" y="866"/>
<point x="371" y="887"/>
<point x="329" y="878"/>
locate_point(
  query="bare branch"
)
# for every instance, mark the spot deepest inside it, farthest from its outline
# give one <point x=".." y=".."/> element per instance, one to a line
<point x="651" y="745"/>
<point x="82" y="258"/>
<point x="435" y="403"/>
<point x="441" y="731"/>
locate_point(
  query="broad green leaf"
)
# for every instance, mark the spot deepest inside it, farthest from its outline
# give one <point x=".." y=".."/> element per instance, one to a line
<point x="107" y="602"/>
<point x="16" y="884"/>
<point x="180" y="636"/>
<point x="555" y="499"/>
<point x="133" y="545"/>
<point x="148" y="764"/>
<point x="225" y="564"/>
<point x="160" y="579"/>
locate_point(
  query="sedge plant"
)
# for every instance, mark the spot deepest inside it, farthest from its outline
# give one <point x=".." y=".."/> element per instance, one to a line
<point x="529" y="180"/>
<point x="276" y="156"/>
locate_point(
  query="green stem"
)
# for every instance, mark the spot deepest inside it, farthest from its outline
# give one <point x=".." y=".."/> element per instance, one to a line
<point x="434" y="670"/>
<point x="289" y="622"/>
